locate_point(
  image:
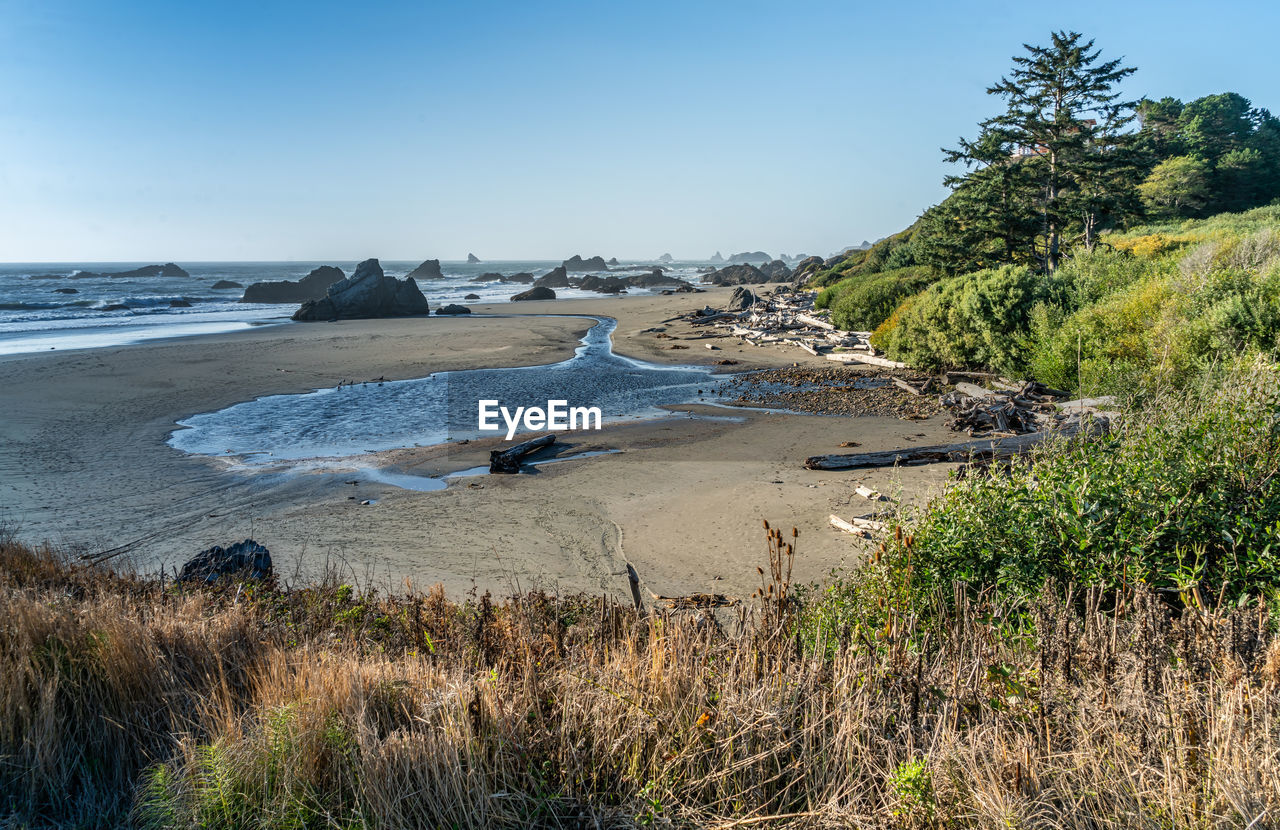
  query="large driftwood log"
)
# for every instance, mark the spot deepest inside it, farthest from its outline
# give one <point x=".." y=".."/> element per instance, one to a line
<point x="871" y="360"/>
<point x="986" y="450"/>
<point x="508" y="461"/>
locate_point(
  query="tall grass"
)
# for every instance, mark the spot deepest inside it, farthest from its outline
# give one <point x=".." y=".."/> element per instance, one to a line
<point x="132" y="703"/>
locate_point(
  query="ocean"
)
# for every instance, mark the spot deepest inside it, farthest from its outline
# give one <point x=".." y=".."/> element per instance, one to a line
<point x="34" y="317"/>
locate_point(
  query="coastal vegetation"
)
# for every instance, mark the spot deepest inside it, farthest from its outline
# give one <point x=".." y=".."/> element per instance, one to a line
<point x="1084" y="637"/>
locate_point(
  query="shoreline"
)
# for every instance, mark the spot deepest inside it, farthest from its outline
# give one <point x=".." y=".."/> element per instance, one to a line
<point x="84" y="464"/>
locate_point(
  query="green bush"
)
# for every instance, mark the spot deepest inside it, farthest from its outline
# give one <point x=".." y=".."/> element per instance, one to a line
<point x="1183" y="496"/>
<point x="978" y="319"/>
<point x="861" y="303"/>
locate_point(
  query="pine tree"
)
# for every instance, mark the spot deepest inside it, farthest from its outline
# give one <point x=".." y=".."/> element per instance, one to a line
<point x="1064" y="126"/>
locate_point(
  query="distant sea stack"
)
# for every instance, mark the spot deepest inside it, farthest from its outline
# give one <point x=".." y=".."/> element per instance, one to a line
<point x="429" y="270"/>
<point x="310" y="287"/>
<point x="472" y="259"/>
<point x="166" y="270"/>
<point x="557" y="277"/>
<point x="716" y="257"/>
<point x="221" y="284"/>
<point x="666" y="258"/>
<point x="737" y="275"/>
<point x="368" y="293"/>
<point x="577" y="263"/>
<point x="749" y="257"/>
<point x="613" y="260"/>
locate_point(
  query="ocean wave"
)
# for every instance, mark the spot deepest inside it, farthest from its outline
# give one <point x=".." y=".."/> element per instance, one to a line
<point x="44" y="306"/>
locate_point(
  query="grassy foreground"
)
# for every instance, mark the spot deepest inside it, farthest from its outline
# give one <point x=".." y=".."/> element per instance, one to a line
<point x="128" y="702"/>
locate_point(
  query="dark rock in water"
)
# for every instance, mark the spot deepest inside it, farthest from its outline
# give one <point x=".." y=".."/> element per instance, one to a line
<point x="604" y="285"/>
<point x="687" y="288"/>
<point x="666" y="258"/>
<point x="179" y="304"/>
<point x="653" y="279"/>
<point x="310" y="287"/>
<point x="115" y="307"/>
<point x="472" y="297"/>
<point x="166" y="270"/>
<point x="613" y="260"/>
<point x="749" y="256"/>
<point x="220" y="284"/>
<point x="490" y="276"/>
<point x="368" y="293"/>
<point x="807" y="269"/>
<point x="524" y="278"/>
<point x="716" y="257"/>
<point x="65" y="291"/>
<point x="538" y="292"/>
<point x="472" y="259"/>
<point x="452" y="308"/>
<point x="737" y="275"/>
<point x="741" y="300"/>
<point x="557" y="277"/>
<point x="776" y="271"/>
<point x="429" y="270"/>
<point x="244" y="560"/>
<point x="577" y="263"/>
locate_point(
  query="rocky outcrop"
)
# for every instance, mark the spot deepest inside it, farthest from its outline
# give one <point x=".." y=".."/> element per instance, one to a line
<point x="807" y="269"/>
<point x="577" y="264"/>
<point x="737" y="275"/>
<point x="452" y="308"/>
<point x="557" y="277"/>
<point x="716" y="257"/>
<point x="741" y="300"/>
<point x="429" y="270"/>
<point x="472" y="297"/>
<point x="65" y="291"/>
<point x="776" y="271"/>
<point x="603" y="285"/>
<point x="612" y="261"/>
<point x="180" y="303"/>
<point x="368" y="293"/>
<point x="488" y="276"/>
<point x="749" y="256"/>
<point x="310" y="287"/>
<point x="538" y="292"/>
<point x="653" y="279"/>
<point x="666" y="258"/>
<point x="221" y="284"/>
<point x="524" y="278"/>
<point x="166" y="270"/>
<point x="243" y="560"/>
<point x="472" y="259"/>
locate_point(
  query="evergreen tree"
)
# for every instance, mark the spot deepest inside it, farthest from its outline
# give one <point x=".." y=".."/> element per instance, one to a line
<point x="1064" y="126"/>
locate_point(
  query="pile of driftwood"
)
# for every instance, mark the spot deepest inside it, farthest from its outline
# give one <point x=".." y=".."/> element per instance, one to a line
<point x="1006" y="422"/>
<point x="1012" y="409"/>
<point x="788" y="318"/>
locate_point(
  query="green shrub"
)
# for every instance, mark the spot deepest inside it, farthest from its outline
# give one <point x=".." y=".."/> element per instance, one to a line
<point x="978" y="319"/>
<point x="1183" y="496"/>
<point x="861" y="303"/>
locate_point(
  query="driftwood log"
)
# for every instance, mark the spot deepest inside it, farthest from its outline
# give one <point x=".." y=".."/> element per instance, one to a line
<point x="508" y="461"/>
<point x="991" y="449"/>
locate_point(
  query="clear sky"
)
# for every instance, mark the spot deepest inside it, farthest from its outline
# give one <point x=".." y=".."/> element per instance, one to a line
<point x="186" y="131"/>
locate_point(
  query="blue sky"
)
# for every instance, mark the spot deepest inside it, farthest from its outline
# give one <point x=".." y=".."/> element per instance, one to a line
<point x="148" y="131"/>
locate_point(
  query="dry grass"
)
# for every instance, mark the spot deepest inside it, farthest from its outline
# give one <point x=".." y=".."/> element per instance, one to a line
<point x="130" y="702"/>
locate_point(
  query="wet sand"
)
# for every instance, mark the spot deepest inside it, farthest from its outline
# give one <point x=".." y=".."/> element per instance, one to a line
<point x="84" y="464"/>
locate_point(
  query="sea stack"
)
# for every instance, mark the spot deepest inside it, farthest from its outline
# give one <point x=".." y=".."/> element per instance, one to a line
<point x="368" y="293"/>
<point x="310" y="287"/>
<point x="472" y="259"/>
<point x="429" y="270"/>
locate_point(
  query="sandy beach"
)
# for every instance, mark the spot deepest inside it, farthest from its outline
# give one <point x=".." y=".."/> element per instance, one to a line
<point x="84" y="464"/>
